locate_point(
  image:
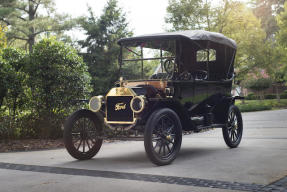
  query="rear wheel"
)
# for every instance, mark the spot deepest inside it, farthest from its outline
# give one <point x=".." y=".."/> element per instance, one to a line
<point x="163" y="136"/>
<point x="82" y="134"/>
<point x="232" y="132"/>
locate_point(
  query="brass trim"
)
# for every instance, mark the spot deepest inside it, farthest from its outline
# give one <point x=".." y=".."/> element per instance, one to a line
<point x="120" y="91"/>
<point x="125" y="128"/>
<point x="143" y="104"/>
<point x="120" y="122"/>
<point x="99" y="100"/>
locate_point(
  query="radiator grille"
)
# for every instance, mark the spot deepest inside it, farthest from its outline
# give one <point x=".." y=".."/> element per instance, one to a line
<point x="118" y="109"/>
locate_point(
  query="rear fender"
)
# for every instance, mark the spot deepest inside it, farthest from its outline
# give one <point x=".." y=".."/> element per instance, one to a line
<point x="220" y="111"/>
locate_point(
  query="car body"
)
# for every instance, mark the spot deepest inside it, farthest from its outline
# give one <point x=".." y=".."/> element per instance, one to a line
<point x="170" y="83"/>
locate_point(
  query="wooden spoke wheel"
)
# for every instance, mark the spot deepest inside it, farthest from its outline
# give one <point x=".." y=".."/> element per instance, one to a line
<point x="163" y="136"/>
<point x="232" y="132"/>
<point x="82" y="134"/>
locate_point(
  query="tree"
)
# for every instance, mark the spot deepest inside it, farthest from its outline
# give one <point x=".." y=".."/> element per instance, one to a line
<point x="3" y="39"/>
<point x="282" y="23"/>
<point x="26" y="20"/>
<point x="225" y="18"/>
<point x="266" y="11"/>
<point x="57" y="77"/>
<point x="259" y="85"/>
<point x="281" y="39"/>
<point x="248" y="35"/>
<point x="189" y="14"/>
<point x="101" y="44"/>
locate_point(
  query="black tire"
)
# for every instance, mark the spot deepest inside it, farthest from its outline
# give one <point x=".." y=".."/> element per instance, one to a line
<point x="163" y="131"/>
<point x="232" y="132"/>
<point x="82" y="131"/>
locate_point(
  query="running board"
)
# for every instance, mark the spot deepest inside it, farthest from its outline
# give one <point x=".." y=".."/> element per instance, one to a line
<point x="202" y="127"/>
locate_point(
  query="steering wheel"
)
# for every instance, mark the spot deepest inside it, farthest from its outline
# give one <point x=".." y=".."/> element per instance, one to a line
<point x="169" y="67"/>
<point x="200" y="75"/>
<point x="185" y="76"/>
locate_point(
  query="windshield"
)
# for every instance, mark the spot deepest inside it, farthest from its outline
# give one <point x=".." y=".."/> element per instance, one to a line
<point x="148" y="60"/>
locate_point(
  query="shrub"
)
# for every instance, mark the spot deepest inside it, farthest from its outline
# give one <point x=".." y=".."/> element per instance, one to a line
<point x="12" y="88"/>
<point x="284" y="95"/>
<point x="250" y="96"/>
<point x="259" y="84"/>
<point x="270" y="96"/>
<point x="57" y="76"/>
<point x="253" y="107"/>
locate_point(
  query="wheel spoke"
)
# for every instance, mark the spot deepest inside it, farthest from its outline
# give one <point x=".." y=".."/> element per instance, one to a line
<point x="168" y="148"/>
<point x="170" y="129"/>
<point x="156" y="138"/>
<point x="235" y="134"/>
<point x="84" y="146"/>
<point x="87" y="141"/>
<point x="164" y="137"/>
<point x="232" y="115"/>
<point x="160" y="148"/>
<point x="156" y="145"/>
<point x="169" y="141"/>
<point x="79" y="144"/>
<point x="84" y="134"/>
<point x="77" y="139"/>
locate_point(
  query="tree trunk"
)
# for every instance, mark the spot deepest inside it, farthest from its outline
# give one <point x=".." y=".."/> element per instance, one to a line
<point x="31" y="36"/>
<point x="31" y="41"/>
<point x="241" y="94"/>
<point x="277" y="93"/>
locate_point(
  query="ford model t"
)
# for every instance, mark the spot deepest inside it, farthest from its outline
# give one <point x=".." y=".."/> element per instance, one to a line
<point x="170" y="84"/>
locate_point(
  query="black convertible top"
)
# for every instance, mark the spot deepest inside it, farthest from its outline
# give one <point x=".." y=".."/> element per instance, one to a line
<point x="193" y="35"/>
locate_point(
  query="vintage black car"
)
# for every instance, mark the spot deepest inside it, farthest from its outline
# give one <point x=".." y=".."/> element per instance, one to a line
<point x="170" y="84"/>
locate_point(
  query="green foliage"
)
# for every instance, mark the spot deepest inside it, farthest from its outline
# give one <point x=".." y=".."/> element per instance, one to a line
<point x="270" y="96"/>
<point x="258" y="105"/>
<point x="259" y="84"/>
<point x="4" y="78"/>
<point x="57" y="76"/>
<point x="282" y="23"/>
<point x="284" y="95"/>
<point x="3" y="39"/>
<point x="189" y="14"/>
<point x="225" y="18"/>
<point x="266" y="11"/>
<point x="101" y="44"/>
<point x="26" y="20"/>
<point x="12" y="89"/>
<point x="12" y="77"/>
<point x="248" y="35"/>
<point x="254" y="107"/>
<point x="251" y="96"/>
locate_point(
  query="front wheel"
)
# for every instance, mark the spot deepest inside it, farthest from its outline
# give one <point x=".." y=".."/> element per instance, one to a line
<point x="232" y="132"/>
<point x="82" y="134"/>
<point x="163" y="136"/>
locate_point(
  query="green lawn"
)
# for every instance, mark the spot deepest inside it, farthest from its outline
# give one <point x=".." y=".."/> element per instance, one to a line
<point x="258" y="105"/>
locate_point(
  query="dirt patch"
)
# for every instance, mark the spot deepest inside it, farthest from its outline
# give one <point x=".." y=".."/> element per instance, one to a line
<point x="30" y="144"/>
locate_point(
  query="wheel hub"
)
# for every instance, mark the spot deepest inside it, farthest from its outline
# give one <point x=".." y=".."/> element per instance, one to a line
<point x="234" y="127"/>
<point x="168" y="137"/>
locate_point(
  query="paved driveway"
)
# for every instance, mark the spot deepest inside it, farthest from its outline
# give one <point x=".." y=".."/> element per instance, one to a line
<point x="204" y="164"/>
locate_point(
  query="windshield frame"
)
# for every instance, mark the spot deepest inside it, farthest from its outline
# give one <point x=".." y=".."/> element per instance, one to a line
<point x="121" y="60"/>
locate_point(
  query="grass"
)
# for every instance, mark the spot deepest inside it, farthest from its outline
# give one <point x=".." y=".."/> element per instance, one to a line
<point x="260" y="105"/>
